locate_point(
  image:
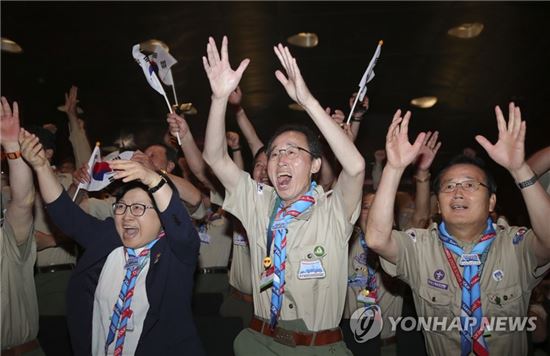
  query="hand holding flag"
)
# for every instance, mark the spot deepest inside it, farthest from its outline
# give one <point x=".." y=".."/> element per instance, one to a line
<point x="367" y="77"/>
<point x="143" y="61"/>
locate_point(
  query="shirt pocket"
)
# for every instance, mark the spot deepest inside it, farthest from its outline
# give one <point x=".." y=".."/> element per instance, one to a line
<point x="504" y="302"/>
<point x="307" y="270"/>
<point x="438" y="306"/>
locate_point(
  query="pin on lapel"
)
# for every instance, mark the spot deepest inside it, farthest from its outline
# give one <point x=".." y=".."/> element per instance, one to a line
<point x="157" y="257"/>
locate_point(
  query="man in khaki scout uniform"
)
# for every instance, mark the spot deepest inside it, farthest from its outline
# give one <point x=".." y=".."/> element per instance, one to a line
<point x="498" y="265"/>
<point x="304" y="267"/>
<point x="19" y="311"/>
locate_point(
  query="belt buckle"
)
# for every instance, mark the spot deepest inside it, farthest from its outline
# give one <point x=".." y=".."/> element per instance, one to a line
<point x="285" y="337"/>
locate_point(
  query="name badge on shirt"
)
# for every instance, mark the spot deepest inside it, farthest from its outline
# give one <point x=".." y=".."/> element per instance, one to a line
<point x="311" y="269"/>
<point x="239" y="240"/>
<point x="470" y="259"/>
<point x="266" y="279"/>
<point x="205" y="238"/>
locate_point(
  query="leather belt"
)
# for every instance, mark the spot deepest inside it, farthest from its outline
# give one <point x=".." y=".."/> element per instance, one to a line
<point x="388" y="341"/>
<point x="297" y="338"/>
<point x="21" y="349"/>
<point x="55" y="268"/>
<point x="241" y="296"/>
<point x="211" y="270"/>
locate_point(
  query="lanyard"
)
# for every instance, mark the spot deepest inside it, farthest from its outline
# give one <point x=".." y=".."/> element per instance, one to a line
<point x="454" y="266"/>
<point x="270" y="226"/>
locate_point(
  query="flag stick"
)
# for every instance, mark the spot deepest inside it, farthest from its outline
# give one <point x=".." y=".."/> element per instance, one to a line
<point x="171" y="111"/>
<point x="77" y="190"/>
<point x="175" y="96"/>
<point x="353" y="106"/>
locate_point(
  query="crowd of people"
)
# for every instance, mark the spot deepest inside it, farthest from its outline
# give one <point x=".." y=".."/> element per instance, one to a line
<point x="307" y="257"/>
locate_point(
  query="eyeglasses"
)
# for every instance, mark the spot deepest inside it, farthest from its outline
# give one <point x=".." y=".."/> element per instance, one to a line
<point x="291" y="152"/>
<point x="467" y="185"/>
<point x="136" y="209"/>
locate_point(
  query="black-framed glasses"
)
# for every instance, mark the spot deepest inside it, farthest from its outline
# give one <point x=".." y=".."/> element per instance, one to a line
<point x="136" y="209"/>
<point x="467" y="185"/>
<point x="291" y="152"/>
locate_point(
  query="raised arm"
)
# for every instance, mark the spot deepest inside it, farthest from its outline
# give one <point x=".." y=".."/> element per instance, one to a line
<point x="400" y="154"/>
<point x="20" y="207"/>
<point x="358" y="114"/>
<point x="427" y="153"/>
<point x="223" y="80"/>
<point x="353" y="164"/>
<point x="244" y="123"/>
<point x="186" y="190"/>
<point x="235" y="148"/>
<point x="509" y="152"/>
<point x="81" y="146"/>
<point x="540" y="161"/>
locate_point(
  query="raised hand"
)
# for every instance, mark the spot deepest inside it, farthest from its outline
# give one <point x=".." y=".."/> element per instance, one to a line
<point x="81" y="175"/>
<point x="294" y="85"/>
<point x="428" y="150"/>
<point x="509" y="151"/>
<point x="235" y="97"/>
<point x="361" y="108"/>
<point x="399" y="150"/>
<point x="177" y="124"/>
<point x="71" y="102"/>
<point x="9" y="121"/>
<point x="142" y="158"/>
<point x="232" y="139"/>
<point x="132" y="170"/>
<point x="223" y="79"/>
<point x="32" y="150"/>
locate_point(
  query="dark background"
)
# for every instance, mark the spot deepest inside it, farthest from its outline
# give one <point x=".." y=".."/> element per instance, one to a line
<point x="89" y="44"/>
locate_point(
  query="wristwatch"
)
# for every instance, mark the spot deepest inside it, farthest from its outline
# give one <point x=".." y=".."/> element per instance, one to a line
<point x="527" y="183"/>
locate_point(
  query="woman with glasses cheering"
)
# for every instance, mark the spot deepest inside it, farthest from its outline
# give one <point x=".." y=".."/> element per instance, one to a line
<point x="131" y="290"/>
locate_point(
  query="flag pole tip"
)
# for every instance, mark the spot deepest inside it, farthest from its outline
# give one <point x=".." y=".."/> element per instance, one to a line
<point x="98" y="143"/>
<point x="381" y="42"/>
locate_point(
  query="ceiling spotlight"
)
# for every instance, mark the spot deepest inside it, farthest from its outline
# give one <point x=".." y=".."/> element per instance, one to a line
<point x="10" y="46"/>
<point x="424" y="102"/>
<point x="149" y="45"/>
<point x="296" y="107"/>
<point x="466" y="30"/>
<point x="304" y="39"/>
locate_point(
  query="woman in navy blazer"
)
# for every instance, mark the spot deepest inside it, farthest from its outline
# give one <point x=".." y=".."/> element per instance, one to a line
<point x="147" y="213"/>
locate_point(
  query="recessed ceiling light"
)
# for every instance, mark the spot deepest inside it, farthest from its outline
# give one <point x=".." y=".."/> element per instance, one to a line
<point x="466" y="30"/>
<point x="296" y="107"/>
<point x="149" y="45"/>
<point x="304" y="39"/>
<point x="424" y="102"/>
<point x="10" y="46"/>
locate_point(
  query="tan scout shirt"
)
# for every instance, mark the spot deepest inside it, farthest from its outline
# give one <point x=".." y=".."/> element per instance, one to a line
<point x="390" y="289"/>
<point x="56" y="255"/>
<point x="509" y="274"/>
<point x="18" y="293"/>
<point x="239" y="271"/>
<point x="215" y="243"/>
<point x="319" y="302"/>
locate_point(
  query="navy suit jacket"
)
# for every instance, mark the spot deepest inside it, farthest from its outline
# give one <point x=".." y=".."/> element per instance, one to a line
<point x="168" y="328"/>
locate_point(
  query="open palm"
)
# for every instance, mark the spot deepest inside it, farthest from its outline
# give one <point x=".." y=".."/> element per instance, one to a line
<point x="294" y="84"/>
<point x="223" y="79"/>
<point x="399" y="150"/>
<point x="509" y="151"/>
<point x="9" y="121"/>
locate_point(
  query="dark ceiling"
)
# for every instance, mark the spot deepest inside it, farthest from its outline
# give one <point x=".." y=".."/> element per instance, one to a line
<point x="89" y="44"/>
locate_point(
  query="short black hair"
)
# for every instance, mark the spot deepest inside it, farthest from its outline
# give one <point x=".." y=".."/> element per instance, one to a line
<point x="314" y="145"/>
<point x="475" y="161"/>
<point x="171" y="154"/>
<point x="46" y="137"/>
<point x="260" y="151"/>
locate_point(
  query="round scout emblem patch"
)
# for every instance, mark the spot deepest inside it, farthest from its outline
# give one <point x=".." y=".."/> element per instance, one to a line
<point x="319" y="251"/>
<point x="498" y="275"/>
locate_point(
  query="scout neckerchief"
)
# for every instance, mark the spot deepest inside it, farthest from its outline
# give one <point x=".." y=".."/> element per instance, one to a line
<point x="370" y="289"/>
<point x="472" y="338"/>
<point x="278" y="232"/>
<point x="121" y="310"/>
